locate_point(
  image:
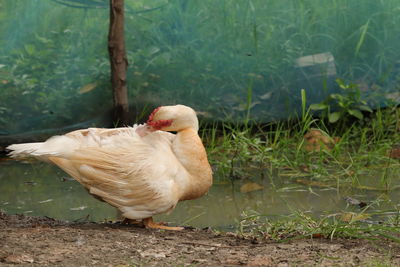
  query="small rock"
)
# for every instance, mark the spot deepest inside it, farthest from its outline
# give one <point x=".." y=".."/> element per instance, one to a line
<point x="317" y="140"/>
<point x="283" y="264"/>
<point x="152" y="253"/>
<point x="80" y="241"/>
<point x="395" y="152"/>
<point x="353" y="201"/>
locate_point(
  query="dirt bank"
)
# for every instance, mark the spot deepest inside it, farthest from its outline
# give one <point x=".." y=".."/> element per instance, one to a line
<point x="34" y="241"/>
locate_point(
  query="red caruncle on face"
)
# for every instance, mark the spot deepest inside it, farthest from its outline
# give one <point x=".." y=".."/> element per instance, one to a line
<point x="159" y="124"/>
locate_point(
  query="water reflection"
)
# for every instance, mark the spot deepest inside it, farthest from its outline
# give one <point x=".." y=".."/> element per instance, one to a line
<point x="44" y="190"/>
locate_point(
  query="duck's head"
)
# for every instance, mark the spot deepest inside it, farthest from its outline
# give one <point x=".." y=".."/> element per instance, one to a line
<point x="173" y="118"/>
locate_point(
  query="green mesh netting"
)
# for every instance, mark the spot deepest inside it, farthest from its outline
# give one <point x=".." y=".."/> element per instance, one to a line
<point x="230" y="60"/>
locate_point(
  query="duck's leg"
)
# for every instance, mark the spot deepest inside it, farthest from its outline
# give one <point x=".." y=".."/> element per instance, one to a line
<point x="126" y="220"/>
<point x="149" y="223"/>
<point x="131" y="221"/>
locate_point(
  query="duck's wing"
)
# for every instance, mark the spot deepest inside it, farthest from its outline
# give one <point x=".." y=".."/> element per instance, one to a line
<point x="99" y="134"/>
<point x="137" y="175"/>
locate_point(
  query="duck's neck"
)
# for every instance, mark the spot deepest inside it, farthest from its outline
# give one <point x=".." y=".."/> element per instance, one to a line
<point x="190" y="151"/>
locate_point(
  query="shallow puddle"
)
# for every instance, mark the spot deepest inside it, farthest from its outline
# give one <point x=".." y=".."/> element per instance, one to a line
<point x="44" y="190"/>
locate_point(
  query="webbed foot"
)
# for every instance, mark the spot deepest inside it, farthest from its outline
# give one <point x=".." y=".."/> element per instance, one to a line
<point x="149" y="223"/>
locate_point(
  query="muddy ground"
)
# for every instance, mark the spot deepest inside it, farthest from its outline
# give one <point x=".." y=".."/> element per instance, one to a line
<point x="38" y="241"/>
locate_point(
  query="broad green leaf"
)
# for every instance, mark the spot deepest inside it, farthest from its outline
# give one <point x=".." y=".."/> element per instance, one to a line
<point x="337" y="96"/>
<point x="318" y="106"/>
<point x="87" y="88"/>
<point x="30" y="49"/>
<point x="341" y="84"/>
<point x="356" y="113"/>
<point x="334" y="117"/>
<point x="353" y="217"/>
<point x="364" y="30"/>
<point x="42" y="39"/>
<point x="365" y="108"/>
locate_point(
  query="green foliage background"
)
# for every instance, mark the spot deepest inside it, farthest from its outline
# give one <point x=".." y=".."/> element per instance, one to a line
<point x="232" y="60"/>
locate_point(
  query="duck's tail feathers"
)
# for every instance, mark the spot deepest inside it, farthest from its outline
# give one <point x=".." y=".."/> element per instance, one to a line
<point x="57" y="146"/>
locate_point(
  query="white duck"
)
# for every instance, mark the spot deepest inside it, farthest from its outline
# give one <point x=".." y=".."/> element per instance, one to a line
<point x="142" y="170"/>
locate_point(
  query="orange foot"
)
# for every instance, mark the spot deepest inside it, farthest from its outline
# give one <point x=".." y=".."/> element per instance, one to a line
<point x="149" y="223"/>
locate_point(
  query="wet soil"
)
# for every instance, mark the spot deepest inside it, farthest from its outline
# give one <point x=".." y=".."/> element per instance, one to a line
<point x="41" y="241"/>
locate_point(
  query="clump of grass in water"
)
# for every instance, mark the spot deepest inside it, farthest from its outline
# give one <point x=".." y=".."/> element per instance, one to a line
<point x="362" y="147"/>
<point x="233" y="150"/>
<point x="278" y="147"/>
<point x="300" y="225"/>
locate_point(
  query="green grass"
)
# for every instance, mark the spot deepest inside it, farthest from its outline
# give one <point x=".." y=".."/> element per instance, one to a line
<point x="362" y="152"/>
<point x="301" y="225"/>
<point x="362" y="146"/>
<point x="379" y="263"/>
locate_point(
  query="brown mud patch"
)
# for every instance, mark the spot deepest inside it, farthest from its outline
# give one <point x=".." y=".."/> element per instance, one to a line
<point x="38" y="241"/>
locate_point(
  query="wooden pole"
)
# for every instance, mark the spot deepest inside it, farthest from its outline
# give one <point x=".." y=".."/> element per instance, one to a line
<point x="118" y="62"/>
